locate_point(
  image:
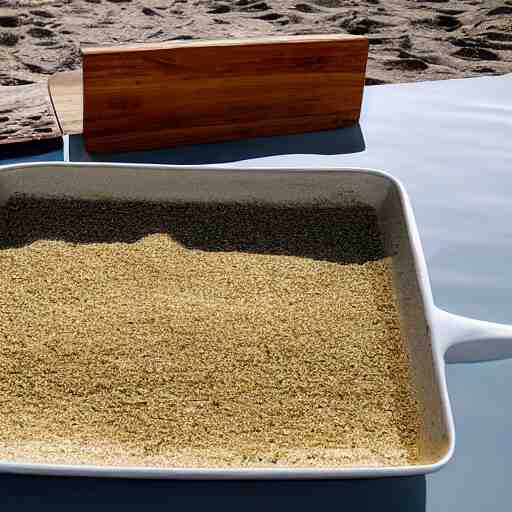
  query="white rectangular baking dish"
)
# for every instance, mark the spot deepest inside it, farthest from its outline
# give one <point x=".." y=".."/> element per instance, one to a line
<point x="431" y="334"/>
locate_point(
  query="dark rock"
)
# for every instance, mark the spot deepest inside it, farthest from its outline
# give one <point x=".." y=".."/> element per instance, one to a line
<point x="464" y="42"/>
<point x="182" y="38"/>
<point x="150" y="12"/>
<point x="331" y="4"/>
<point x="260" y="6"/>
<point x="451" y="12"/>
<point x="403" y="54"/>
<point x="47" y="42"/>
<point x="42" y="14"/>
<point x="443" y="21"/>
<point x="497" y="46"/>
<point x="502" y="10"/>
<point x="476" y="54"/>
<point x="307" y="8"/>
<point x="374" y="81"/>
<point x="405" y="42"/>
<point x="481" y="42"/>
<point x="158" y="33"/>
<point x="498" y="36"/>
<point x="447" y="22"/>
<point x="34" y="68"/>
<point x="10" y="80"/>
<point x="271" y="16"/>
<point x="40" y="33"/>
<point x="220" y="9"/>
<point x="9" y="21"/>
<point x="374" y="41"/>
<point x="8" y="39"/>
<point x="406" y="64"/>
<point x="484" y="70"/>
<point x="359" y="25"/>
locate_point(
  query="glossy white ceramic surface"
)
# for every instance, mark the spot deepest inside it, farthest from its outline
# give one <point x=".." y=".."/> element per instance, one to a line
<point x="430" y="329"/>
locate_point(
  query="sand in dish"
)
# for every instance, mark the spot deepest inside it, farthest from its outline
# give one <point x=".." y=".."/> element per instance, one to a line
<point x="195" y="335"/>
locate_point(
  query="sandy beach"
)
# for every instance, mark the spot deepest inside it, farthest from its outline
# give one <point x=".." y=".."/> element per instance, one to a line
<point x="409" y="40"/>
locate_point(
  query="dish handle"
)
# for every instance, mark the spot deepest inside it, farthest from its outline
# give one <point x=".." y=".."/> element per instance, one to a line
<point x="467" y="340"/>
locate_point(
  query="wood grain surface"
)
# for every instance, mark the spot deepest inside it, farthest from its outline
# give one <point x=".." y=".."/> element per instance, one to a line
<point x="162" y="95"/>
<point x="66" y="93"/>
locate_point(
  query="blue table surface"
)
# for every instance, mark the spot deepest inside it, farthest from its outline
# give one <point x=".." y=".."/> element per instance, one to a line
<point x="450" y="143"/>
<point x="44" y="150"/>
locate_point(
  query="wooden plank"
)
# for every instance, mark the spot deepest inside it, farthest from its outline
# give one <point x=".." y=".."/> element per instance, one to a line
<point x="162" y="95"/>
<point x="66" y="92"/>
